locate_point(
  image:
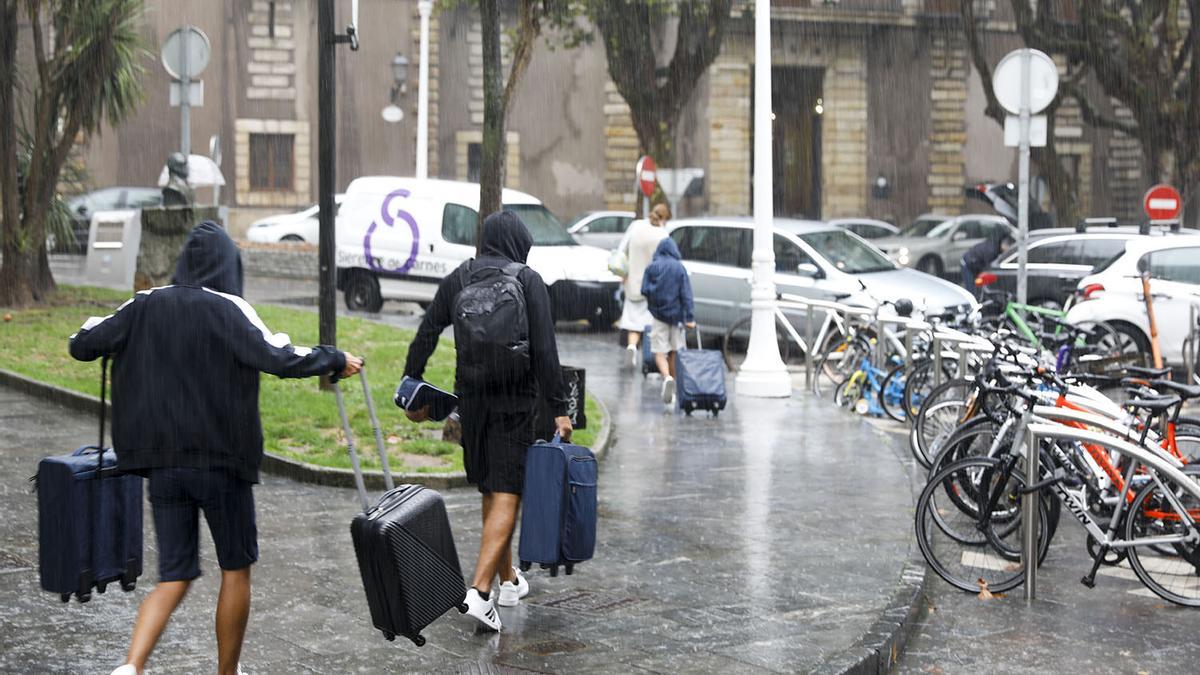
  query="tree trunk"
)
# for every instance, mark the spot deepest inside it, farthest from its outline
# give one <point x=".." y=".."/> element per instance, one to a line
<point x="14" y="276"/>
<point x="494" y="149"/>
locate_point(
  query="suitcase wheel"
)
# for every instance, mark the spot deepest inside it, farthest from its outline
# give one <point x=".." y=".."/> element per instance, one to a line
<point x="101" y="587"/>
<point x="65" y="597"/>
<point x="569" y="568"/>
<point x="128" y="586"/>
<point x="83" y="597"/>
<point x="525" y="565"/>
<point x="716" y="411"/>
<point x="418" y="640"/>
<point x="554" y="570"/>
<point x="462" y="608"/>
<point x="389" y="636"/>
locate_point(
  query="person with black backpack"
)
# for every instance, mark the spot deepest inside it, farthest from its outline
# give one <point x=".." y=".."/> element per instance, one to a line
<point x="506" y="357"/>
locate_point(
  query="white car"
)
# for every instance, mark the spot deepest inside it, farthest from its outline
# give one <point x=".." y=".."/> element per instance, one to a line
<point x="1113" y="292"/>
<point x="398" y="237"/>
<point x="302" y="226"/>
<point x="603" y="229"/>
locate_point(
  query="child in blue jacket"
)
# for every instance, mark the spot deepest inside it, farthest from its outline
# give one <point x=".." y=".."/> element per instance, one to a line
<point x="668" y="294"/>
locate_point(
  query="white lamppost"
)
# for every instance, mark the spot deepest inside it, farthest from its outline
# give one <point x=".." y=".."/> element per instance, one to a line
<point x="424" y="7"/>
<point x="763" y="373"/>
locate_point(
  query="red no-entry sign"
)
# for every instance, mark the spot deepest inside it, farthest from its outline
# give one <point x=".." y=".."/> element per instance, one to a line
<point x="1162" y="202"/>
<point x="647" y="175"/>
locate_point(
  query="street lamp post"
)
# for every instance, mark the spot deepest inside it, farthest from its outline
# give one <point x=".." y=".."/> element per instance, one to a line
<point x="424" y="7"/>
<point x="763" y="373"/>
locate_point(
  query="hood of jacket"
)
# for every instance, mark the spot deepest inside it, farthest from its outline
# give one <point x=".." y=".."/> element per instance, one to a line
<point x="505" y="236"/>
<point x="210" y="259"/>
<point x="667" y="248"/>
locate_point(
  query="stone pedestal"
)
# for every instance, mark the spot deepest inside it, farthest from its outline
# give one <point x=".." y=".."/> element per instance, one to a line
<point x="164" y="230"/>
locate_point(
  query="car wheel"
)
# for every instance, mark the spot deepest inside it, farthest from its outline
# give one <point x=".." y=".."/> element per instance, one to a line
<point x="1133" y="341"/>
<point x="362" y="292"/>
<point x="930" y="264"/>
<point x="293" y="238"/>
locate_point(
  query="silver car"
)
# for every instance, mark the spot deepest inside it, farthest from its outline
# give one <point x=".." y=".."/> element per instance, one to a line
<point x="935" y="244"/>
<point x="867" y="228"/>
<point x="812" y="259"/>
<point x="602" y="229"/>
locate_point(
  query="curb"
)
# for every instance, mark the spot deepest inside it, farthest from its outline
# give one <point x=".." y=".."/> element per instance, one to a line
<point x="878" y="649"/>
<point x="276" y="464"/>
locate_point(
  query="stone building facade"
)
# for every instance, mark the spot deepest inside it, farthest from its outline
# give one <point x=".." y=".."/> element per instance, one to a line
<point x="879" y="113"/>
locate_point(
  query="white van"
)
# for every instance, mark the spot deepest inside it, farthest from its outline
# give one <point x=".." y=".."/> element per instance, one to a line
<point x="398" y="237"/>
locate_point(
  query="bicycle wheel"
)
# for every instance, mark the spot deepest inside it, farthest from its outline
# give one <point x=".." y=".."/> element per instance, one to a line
<point x="891" y="393"/>
<point x="1187" y="438"/>
<point x="920" y="383"/>
<point x="940" y="414"/>
<point x="1171" y="572"/>
<point x="848" y="393"/>
<point x="843" y="358"/>
<point x="959" y="542"/>
<point x="737" y="341"/>
<point x="1100" y="350"/>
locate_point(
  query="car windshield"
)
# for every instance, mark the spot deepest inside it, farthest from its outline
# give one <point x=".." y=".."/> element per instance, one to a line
<point x="923" y="227"/>
<point x="545" y="228"/>
<point x="847" y="253"/>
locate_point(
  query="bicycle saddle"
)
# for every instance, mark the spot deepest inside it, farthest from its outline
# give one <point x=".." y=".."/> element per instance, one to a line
<point x="1153" y="405"/>
<point x="1184" y="391"/>
<point x="1149" y="373"/>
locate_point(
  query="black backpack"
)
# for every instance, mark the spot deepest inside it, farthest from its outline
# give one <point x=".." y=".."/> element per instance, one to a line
<point x="491" y="327"/>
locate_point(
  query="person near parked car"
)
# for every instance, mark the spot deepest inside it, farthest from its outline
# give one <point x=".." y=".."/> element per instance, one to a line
<point x="641" y="239"/>
<point x="668" y="294"/>
<point x="506" y="357"/>
<point x="186" y="364"/>
<point x="981" y="255"/>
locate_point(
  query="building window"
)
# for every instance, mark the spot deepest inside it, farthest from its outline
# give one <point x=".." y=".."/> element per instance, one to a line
<point x="271" y="166"/>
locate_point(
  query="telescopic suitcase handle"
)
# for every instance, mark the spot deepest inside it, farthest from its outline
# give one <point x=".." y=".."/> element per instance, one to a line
<point x="358" y="475"/>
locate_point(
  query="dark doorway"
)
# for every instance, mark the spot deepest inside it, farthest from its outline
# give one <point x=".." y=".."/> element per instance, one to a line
<point x="797" y="106"/>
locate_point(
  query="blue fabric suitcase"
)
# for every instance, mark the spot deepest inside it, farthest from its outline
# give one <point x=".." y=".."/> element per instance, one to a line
<point x="558" y="518"/>
<point x="89" y="521"/>
<point x="700" y="379"/>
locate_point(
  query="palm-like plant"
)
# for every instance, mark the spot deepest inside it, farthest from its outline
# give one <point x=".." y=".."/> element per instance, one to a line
<point x="89" y="60"/>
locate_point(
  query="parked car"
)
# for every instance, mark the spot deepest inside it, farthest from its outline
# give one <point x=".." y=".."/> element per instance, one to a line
<point x="1056" y="264"/>
<point x="602" y="229"/>
<point x="867" y="228"/>
<point x="302" y="226"/>
<point x="1113" y="292"/>
<point x="937" y="247"/>
<point x="812" y="259"/>
<point x="83" y="206"/>
<point x="398" y="237"/>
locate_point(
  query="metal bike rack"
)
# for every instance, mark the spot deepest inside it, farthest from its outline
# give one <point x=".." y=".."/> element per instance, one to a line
<point x="811" y="306"/>
<point x="1029" y="514"/>
<point x="1190" y="347"/>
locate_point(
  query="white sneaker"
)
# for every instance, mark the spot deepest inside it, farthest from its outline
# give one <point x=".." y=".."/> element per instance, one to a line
<point x="635" y="355"/>
<point x="482" y="610"/>
<point x="239" y="669"/>
<point x="512" y="592"/>
<point x="127" y="669"/>
<point x="668" y="390"/>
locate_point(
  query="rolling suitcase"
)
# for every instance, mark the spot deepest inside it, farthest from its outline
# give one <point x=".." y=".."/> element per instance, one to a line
<point x="404" y="546"/>
<point x="648" y="364"/>
<point x="558" y="515"/>
<point x="700" y="379"/>
<point x="89" y="520"/>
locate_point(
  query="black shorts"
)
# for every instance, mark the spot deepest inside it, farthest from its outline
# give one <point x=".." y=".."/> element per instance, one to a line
<point x="494" y="445"/>
<point x="177" y="495"/>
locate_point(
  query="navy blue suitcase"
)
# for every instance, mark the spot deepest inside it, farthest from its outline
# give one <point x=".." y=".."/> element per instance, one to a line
<point x="700" y="379"/>
<point x="89" y="521"/>
<point x="558" y="517"/>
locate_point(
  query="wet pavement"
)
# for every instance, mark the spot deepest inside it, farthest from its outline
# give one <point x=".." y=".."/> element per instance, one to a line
<point x="768" y="539"/>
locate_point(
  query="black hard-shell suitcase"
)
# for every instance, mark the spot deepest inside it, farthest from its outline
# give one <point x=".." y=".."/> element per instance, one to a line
<point x="89" y="520"/>
<point x="404" y="546"/>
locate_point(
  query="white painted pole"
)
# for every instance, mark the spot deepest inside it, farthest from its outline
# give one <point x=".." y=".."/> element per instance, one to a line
<point x="763" y="373"/>
<point x="185" y="87"/>
<point x="424" y="7"/>
<point x="1023" y="182"/>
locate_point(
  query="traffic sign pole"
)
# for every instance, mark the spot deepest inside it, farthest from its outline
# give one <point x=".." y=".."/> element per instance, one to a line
<point x="185" y="84"/>
<point x="1023" y="184"/>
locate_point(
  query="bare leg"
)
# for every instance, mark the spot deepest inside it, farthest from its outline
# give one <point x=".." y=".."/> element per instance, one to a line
<point x="633" y="338"/>
<point x="505" y="566"/>
<point x="672" y="358"/>
<point x="152" y="619"/>
<point x="233" y="610"/>
<point x="495" y="545"/>
<point x="665" y="368"/>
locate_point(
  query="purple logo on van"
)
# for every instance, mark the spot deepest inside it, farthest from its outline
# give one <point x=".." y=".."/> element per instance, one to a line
<point x="377" y="264"/>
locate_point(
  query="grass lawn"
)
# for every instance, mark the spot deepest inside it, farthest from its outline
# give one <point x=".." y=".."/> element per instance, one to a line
<point x="299" y="421"/>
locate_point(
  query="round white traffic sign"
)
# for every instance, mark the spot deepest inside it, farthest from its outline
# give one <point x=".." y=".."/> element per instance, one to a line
<point x="1043" y="81"/>
<point x="197" y="54"/>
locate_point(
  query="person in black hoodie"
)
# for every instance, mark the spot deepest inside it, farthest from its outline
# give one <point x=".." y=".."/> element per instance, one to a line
<point x="981" y="255"/>
<point x="186" y="362"/>
<point x="497" y="409"/>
